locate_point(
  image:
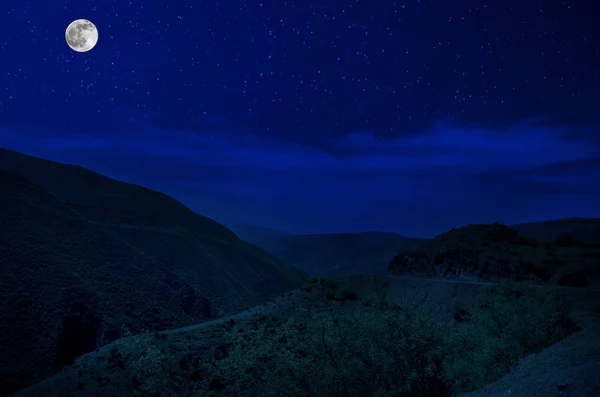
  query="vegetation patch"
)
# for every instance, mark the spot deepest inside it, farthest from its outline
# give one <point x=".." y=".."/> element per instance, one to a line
<point x="383" y="347"/>
<point x="496" y="251"/>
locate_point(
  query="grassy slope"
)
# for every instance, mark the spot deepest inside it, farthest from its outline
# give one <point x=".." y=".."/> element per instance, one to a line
<point x="570" y="365"/>
<point x="355" y="253"/>
<point x="496" y="251"/>
<point x="82" y="254"/>
<point x="110" y="370"/>
<point x="94" y="368"/>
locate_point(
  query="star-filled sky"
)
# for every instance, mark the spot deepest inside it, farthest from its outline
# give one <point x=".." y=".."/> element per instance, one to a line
<point x="319" y="116"/>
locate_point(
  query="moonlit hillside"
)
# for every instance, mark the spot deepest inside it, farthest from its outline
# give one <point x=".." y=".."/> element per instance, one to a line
<point x="299" y="198"/>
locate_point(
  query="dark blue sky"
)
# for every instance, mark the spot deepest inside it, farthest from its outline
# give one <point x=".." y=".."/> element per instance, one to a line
<point x="410" y="116"/>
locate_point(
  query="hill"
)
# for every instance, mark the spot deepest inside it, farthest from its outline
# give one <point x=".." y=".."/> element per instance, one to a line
<point x="84" y="256"/>
<point x="496" y="251"/>
<point x="350" y="253"/>
<point x="256" y="234"/>
<point x="427" y="344"/>
<point x="581" y="229"/>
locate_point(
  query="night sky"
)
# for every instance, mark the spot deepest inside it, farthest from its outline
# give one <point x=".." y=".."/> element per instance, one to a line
<point x="319" y="116"/>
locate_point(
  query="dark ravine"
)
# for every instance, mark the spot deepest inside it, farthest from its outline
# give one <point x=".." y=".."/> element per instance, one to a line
<point x="83" y="255"/>
<point x="346" y="253"/>
<point x="370" y="252"/>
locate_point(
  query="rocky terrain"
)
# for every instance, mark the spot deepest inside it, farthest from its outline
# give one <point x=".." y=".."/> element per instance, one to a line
<point x="496" y="251"/>
<point x="174" y="362"/>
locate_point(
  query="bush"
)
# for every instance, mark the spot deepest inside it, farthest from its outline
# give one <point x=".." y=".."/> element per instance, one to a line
<point x="383" y="347"/>
<point x="536" y="317"/>
<point x="515" y="320"/>
<point x="565" y="240"/>
<point x="151" y="372"/>
<point x="330" y="284"/>
<point x="349" y="294"/>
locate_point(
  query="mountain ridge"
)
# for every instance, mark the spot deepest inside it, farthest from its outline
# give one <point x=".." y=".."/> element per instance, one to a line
<point x="494" y="251"/>
<point x="583" y="229"/>
<point x="83" y="255"/>
<point x="357" y="253"/>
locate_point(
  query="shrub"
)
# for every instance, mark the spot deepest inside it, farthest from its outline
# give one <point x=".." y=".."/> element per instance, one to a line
<point x="151" y="372"/>
<point x="565" y="240"/>
<point x="515" y="320"/>
<point x="460" y="313"/>
<point x="385" y="349"/>
<point x="331" y="285"/>
<point x="349" y="294"/>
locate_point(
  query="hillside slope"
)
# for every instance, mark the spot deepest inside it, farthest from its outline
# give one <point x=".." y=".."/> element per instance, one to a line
<point x="350" y="253"/>
<point x="171" y="363"/>
<point x="82" y="255"/>
<point x="492" y="252"/>
<point x="256" y="234"/>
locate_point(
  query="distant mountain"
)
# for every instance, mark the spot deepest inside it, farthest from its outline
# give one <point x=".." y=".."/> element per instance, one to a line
<point x="256" y="234"/>
<point x="583" y="229"/>
<point x="83" y="255"/>
<point x="350" y="253"/>
<point x="495" y="251"/>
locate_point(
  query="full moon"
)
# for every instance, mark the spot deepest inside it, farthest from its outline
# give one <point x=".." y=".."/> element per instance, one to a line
<point x="81" y="35"/>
